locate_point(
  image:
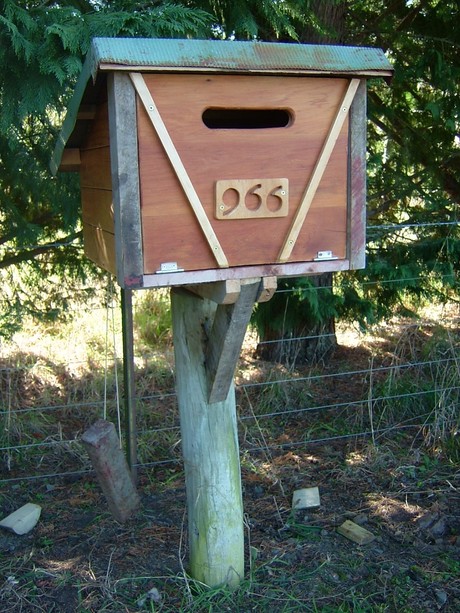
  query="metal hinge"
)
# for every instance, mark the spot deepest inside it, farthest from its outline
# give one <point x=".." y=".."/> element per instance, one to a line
<point x="166" y="267"/>
<point x="325" y="255"/>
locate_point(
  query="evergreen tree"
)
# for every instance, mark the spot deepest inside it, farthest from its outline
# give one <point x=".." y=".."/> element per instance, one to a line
<point x="414" y="161"/>
<point x="413" y="179"/>
<point x="414" y="156"/>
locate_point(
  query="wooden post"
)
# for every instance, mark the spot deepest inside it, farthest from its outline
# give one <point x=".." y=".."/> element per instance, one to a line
<point x="210" y="451"/>
<point x="128" y="378"/>
<point x="125" y="180"/>
<point x="356" y="229"/>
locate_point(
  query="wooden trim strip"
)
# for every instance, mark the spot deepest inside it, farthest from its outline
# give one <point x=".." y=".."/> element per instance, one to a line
<point x="291" y="269"/>
<point x="318" y="172"/>
<point x="184" y="179"/>
<point x="357" y="181"/>
<point x="369" y="73"/>
<point x="124" y="164"/>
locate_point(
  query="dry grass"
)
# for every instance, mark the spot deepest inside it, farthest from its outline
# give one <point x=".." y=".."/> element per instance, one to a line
<point x="52" y="385"/>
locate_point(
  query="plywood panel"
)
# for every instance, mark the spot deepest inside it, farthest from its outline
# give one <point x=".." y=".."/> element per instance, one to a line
<point x="100" y="247"/>
<point x="171" y="233"/>
<point x="95" y="168"/>
<point x="96" y="193"/>
<point x="97" y="207"/>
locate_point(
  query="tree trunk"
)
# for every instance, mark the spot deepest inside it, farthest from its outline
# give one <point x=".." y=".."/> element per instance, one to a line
<point x="308" y="338"/>
<point x="289" y="333"/>
<point x="330" y="17"/>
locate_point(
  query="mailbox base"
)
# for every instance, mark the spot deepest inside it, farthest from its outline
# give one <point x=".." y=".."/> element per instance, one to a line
<point x="210" y="451"/>
<point x="296" y="269"/>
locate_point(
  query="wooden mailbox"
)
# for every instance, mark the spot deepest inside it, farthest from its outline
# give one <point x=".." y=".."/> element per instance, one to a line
<point x="203" y="161"/>
<point x="208" y="161"/>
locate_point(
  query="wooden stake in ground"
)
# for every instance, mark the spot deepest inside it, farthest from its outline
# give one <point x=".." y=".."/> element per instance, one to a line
<point x="103" y="447"/>
<point x="210" y="451"/>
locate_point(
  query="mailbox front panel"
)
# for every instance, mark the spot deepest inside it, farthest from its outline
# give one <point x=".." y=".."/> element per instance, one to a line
<point x="249" y="145"/>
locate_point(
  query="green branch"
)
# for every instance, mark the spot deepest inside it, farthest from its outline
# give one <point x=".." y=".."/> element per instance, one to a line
<point x="31" y="254"/>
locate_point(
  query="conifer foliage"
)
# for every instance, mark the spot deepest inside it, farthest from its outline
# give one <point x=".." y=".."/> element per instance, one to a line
<point x="413" y="173"/>
<point x="413" y="144"/>
<point x="42" y="46"/>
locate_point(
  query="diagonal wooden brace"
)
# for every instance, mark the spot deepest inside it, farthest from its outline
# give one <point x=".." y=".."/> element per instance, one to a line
<point x="318" y="171"/>
<point x="226" y="339"/>
<point x="176" y="162"/>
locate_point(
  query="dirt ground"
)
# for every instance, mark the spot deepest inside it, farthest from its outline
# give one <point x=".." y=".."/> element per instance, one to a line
<point x="78" y="558"/>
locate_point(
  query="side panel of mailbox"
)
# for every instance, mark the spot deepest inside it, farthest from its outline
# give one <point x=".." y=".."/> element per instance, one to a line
<point x="96" y="191"/>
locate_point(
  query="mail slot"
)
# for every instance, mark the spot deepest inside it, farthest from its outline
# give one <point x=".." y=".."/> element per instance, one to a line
<point x="246" y="119"/>
<point x="211" y="160"/>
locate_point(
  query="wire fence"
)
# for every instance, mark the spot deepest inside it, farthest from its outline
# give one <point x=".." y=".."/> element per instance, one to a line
<point x="400" y="378"/>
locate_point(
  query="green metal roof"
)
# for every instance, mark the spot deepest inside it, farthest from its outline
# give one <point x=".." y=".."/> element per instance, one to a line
<point x="177" y="55"/>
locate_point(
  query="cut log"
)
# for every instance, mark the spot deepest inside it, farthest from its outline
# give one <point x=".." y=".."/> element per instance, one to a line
<point x="112" y="471"/>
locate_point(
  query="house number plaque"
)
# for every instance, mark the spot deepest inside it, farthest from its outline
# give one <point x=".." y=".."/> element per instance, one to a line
<point x="252" y="198"/>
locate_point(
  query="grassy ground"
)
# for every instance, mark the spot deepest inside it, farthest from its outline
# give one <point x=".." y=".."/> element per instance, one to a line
<point x="402" y="486"/>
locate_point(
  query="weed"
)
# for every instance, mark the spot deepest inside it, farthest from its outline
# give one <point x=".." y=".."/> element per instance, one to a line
<point x="401" y="591"/>
<point x="152" y="318"/>
<point x="451" y="566"/>
<point x="45" y="542"/>
<point x="300" y="529"/>
<point x="423" y="388"/>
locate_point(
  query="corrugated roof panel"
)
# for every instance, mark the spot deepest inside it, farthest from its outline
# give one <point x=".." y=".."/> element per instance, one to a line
<point x="157" y="54"/>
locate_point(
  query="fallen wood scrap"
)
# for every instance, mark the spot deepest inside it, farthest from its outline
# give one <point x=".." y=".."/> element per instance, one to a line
<point x="112" y="471"/>
<point x="355" y="533"/>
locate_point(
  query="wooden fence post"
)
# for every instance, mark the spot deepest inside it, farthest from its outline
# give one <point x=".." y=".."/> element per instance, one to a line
<point x="210" y="451"/>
